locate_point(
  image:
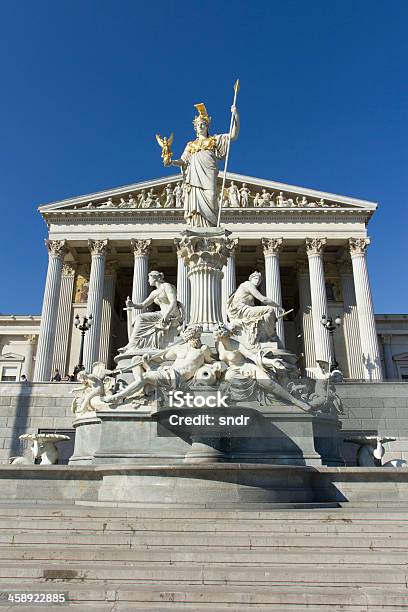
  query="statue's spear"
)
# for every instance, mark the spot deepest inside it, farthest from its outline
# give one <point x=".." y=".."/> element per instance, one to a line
<point x="236" y="90"/>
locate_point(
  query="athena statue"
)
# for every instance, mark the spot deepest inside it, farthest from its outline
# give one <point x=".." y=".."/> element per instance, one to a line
<point x="199" y="164"/>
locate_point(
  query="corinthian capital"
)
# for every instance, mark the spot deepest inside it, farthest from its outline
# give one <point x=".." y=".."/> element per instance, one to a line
<point x="358" y="246"/>
<point x="140" y="247"/>
<point x="56" y="248"/>
<point x="272" y="246"/>
<point x="315" y="246"/>
<point x="68" y="269"/>
<point x="98" y="247"/>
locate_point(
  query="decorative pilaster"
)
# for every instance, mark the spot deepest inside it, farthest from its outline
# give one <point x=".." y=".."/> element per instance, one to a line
<point x="305" y="307"/>
<point x="27" y="368"/>
<point x="183" y="282"/>
<point x="368" y="332"/>
<point x="64" y="319"/>
<point x="46" y="341"/>
<point x="140" y="289"/>
<point x="107" y="308"/>
<point x="98" y="250"/>
<point x="350" y="322"/>
<point x="388" y="360"/>
<point x="271" y="249"/>
<point x="205" y="256"/>
<point x="229" y="281"/>
<point x="314" y="249"/>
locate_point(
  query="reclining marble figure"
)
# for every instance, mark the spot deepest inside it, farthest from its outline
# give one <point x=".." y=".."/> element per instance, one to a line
<point x="187" y="357"/>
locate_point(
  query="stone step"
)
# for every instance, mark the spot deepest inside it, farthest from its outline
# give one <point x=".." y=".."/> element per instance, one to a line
<point x="15" y="572"/>
<point x="7" y="511"/>
<point x="214" y="597"/>
<point x="172" y="607"/>
<point x="124" y="607"/>
<point x="344" y="526"/>
<point x="279" y="556"/>
<point x="376" y="541"/>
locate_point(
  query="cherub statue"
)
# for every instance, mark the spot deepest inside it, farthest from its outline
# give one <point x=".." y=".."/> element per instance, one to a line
<point x="324" y="397"/>
<point x="165" y="144"/>
<point x="88" y="396"/>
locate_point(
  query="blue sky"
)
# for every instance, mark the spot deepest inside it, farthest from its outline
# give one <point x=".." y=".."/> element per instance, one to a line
<point x="86" y="85"/>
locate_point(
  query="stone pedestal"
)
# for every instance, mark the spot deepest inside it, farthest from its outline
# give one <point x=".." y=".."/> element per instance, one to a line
<point x="205" y="253"/>
<point x="134" y="437"/>
<point x="87" y="438"/>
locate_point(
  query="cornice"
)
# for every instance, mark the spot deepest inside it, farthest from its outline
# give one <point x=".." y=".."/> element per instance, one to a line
<point x="126" y="215"/>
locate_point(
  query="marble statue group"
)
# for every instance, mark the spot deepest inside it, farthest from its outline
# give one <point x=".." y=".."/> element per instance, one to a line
<point x="167" y="351"/>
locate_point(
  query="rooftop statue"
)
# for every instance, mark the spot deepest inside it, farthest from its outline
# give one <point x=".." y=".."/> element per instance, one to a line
<point x="199" y="165"/>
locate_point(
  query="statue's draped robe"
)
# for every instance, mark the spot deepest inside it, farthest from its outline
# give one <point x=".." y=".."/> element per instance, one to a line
<point x="258" y="322"/>
<point x="200" y="182"/>
<point x="149" y="331"/>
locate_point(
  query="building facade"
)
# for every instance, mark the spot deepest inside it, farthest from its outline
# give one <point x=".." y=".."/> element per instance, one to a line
<point x="310" y="246"/>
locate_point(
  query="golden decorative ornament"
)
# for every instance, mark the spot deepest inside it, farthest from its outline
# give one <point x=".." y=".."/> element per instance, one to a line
<point x="202" y="113"/>
<point x="202" y="144"/>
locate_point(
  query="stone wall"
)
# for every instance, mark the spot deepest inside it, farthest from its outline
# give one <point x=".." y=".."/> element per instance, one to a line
<point x="368" y="407"/>
<point x="28" y="407"/>
<point x="376" y="408"/>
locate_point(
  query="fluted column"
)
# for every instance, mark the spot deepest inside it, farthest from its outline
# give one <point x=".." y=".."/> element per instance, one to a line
<point x="350" y="322"/>
<point x="271" y="249"/>
<point x="64" y="319"/>
<point x="388" y="360"/>
<point x="229" y="281"/>
<point x="46" y="341"/>
<point x="98" y="250"/>
<point x="314" y="249"/>
<point x="368" y="332"/>
<point x="27" y="368"/>
<point x="140" y="289"/>
<point x="183" y="282"/>
<point x="205" y="257"/>
<point x="107" y="307"/>
<point x="305" y="307"/>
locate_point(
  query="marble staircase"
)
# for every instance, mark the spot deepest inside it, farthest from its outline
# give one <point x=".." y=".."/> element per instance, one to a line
<point x="127" y="558"/>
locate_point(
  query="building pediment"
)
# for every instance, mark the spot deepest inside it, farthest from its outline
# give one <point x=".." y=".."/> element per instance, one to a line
<point x="243" y="195"/>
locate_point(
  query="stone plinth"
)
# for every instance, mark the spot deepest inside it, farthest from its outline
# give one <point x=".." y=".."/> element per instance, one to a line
<point x="206" y="485"/>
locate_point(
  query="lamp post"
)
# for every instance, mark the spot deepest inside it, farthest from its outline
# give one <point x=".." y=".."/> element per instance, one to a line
<point x="83" y="328"/>
<point x="331" y="326"/>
